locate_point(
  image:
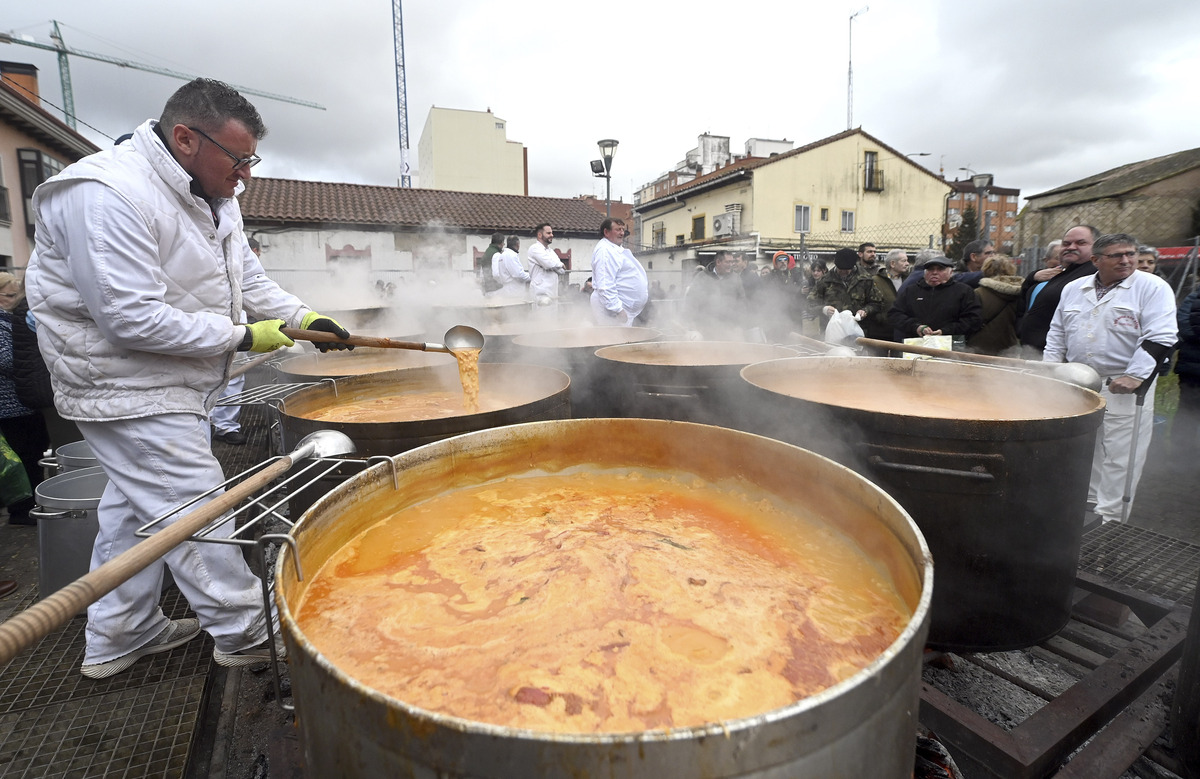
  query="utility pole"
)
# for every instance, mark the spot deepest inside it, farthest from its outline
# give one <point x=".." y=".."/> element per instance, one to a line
<point x="401" y="93"/>
<point x="850" y="70"/>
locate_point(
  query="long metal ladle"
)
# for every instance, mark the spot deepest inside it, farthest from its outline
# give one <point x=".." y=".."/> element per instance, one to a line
<point x="24" y="629"/>
<point x="1071" y="372"/>
<point x="458" y="338"/>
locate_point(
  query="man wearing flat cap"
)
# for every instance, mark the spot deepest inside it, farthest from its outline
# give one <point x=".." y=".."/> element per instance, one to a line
<point x="935" y="305"/>
<point x="847" y="288"/>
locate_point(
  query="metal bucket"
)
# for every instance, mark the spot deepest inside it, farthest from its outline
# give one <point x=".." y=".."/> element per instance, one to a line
<point x="1000" y="495"/>
<point x="67" y="526"/>
<point x="573" y="351"/>
<point x="862" y="727"/>
<point x="689" y="381"/>
<point x="75" y="456"/>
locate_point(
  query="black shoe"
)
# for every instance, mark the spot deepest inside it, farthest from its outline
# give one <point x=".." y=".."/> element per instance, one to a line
<point x="233" y="438"/>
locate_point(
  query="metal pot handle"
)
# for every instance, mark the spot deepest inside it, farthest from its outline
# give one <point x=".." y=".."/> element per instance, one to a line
<point x="978" y="473"/>
<point x="35" y="513"/>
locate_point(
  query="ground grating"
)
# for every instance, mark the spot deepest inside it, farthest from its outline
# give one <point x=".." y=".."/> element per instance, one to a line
<point x="1142" y="560"/>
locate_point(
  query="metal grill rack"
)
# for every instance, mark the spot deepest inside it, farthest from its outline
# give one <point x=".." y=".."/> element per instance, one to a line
<point x="1141" y="560"/>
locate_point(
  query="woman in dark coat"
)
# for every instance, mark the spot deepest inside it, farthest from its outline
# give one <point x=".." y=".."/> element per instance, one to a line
<point x="999" y="294"/>
<point x="935" y="305"/>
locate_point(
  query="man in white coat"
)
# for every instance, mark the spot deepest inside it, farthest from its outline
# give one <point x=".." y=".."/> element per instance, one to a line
<point x="619" y="286"/>
<point x="507" y="268"/>
<point x="544" y="265"/>
<point x="138" y="282"/>
<point x="1121" y="323"/>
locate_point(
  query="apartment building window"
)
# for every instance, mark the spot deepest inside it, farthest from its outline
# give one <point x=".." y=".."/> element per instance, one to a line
<point x="1011" y="214"/>
<point x="1012" y="198"/>
<point x="824" y="214"/>
<point x="680" y="240"/>
<point x="872" y="175"/>
<point x="698" y="228"/>
<point x="993" y="198"/>
<point x="847" y="221"/>
<point x="803" y="219"/>
<point x="36" y="167"/>
<point x="969" y="197"/>
<point x="660" y="234"/>
<point x="5" y="213"/>
<point x="952" y="212"/>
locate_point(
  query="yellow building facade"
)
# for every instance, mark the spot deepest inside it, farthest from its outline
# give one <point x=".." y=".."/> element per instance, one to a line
<point x="840" y="191"/>
<point x="469" y="151"/>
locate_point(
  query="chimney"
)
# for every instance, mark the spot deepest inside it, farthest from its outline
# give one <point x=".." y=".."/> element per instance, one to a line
<point x="23" y="78"/>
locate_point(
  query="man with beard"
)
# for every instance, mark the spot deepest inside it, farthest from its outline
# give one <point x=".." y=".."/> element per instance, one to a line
<point x="544" y="265"/>
<point x="866" y="257"/>
<point x="1122" y="324"/>
<point x="1043" y="288"/>
<point x="847" y="288"/>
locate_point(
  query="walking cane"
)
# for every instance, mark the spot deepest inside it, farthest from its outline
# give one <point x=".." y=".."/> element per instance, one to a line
<point x="1140" y="393"/>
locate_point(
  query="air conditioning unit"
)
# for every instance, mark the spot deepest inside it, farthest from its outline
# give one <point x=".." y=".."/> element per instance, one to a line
<point x="723" y="224"/>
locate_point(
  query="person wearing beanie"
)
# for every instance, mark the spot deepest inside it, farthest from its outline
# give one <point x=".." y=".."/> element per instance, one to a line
<point x="847" y="288"/>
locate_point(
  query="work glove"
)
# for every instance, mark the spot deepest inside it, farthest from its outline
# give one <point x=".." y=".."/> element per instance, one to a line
<point x="314" y="321"/>
<point x="265" y="336"/>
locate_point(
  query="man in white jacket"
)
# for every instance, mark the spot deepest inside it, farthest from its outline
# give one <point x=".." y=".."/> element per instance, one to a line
<point x="1122" y="324"/>
<point x="138" y="282"/>
<point x="507" y="268"/>
<point x="544" y="265"/>
<point x="619" y="287"/>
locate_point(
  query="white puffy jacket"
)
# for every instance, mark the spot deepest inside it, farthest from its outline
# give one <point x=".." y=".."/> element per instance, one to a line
<point x="136" y="291"/>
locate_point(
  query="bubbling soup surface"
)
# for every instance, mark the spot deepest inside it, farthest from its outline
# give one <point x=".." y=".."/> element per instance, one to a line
<point x="601" y="602"/>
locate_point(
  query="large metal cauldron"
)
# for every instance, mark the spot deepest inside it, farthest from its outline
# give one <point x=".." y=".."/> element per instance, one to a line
<point x="358" y="362"/>
<point x="999" y="495"/>
<point x="862" y="727"/>
<point x="573" y="351"/>
<point x="689" y="381"/>
<point x="537" y="393"/>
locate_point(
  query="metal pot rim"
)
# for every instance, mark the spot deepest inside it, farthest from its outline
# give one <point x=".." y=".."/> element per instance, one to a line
<point x="917" y="624"/>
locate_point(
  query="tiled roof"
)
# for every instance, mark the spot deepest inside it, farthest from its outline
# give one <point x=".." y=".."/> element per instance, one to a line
<point x="319" y="202"/>
<point x="1119" y="181"/>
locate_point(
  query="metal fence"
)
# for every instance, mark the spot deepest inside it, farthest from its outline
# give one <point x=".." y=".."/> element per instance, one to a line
<point x="1169" y="219"/>
<point x="913" y="235"/>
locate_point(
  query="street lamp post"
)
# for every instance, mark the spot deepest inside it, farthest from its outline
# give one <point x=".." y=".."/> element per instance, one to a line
<point x="982" y="181"/>
<point x="603" y="168"/>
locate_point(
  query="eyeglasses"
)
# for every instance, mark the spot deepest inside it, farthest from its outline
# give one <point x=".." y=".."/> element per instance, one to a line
<point x="1120" y="255"/>
<point x="238" y="162"/>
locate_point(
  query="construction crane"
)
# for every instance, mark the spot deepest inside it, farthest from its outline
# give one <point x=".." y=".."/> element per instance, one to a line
<point x="64" y="71"/>
<point x="401" y="93"/>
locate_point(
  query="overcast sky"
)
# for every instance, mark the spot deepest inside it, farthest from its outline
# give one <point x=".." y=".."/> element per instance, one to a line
<point x="1037" y="92"/>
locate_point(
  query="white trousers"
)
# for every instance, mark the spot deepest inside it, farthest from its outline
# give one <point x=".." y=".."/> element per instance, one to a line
<point x="225" y="418"/>
<point x="154" y="464"/>
<point x="1114" y="442"/>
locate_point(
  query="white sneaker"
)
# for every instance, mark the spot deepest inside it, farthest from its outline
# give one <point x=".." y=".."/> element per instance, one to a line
<point x="259" y="653"/>
<point x="178" y="633"/>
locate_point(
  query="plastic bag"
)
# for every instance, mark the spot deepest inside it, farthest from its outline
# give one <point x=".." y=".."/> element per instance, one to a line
<point x="842" y="329"/>
<point x="14" y="481"/>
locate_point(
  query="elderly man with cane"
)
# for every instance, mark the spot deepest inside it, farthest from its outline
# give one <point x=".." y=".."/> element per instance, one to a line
<point x="1122" y="324"/>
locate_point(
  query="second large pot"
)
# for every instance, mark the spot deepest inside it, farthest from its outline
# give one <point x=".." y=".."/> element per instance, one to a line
<point x="993" y="466"/>
<point x="688" y="381"/>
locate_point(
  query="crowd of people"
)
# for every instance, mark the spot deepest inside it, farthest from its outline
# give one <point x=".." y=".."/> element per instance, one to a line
<point x="136" y="338"/>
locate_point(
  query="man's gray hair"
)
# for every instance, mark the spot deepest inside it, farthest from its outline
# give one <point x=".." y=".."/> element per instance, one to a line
<point x="1113" y="239"/>
<point x="1144" y="249"/>
<point x="926" y="254"/>
<point x="209" y="105"/>
<point x="895" y="255"/>
<point x="514" y="242"/>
